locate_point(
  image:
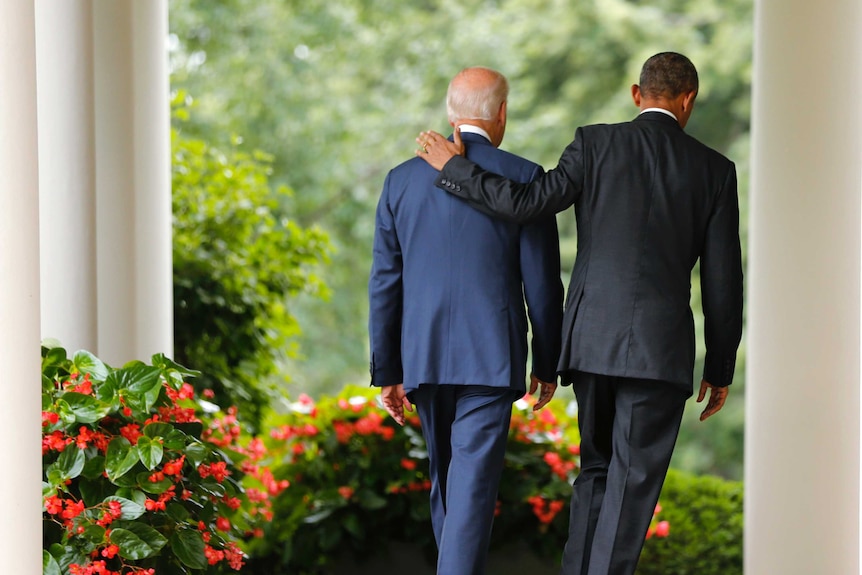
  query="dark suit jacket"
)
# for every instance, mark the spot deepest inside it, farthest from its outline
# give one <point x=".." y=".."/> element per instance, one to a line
<point x="448" y="284"/>
<point x="649" y="201"/>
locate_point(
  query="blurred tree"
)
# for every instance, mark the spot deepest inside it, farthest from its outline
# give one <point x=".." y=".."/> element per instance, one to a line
<point x="338" y="90"/>
<point x="237" y="260"/>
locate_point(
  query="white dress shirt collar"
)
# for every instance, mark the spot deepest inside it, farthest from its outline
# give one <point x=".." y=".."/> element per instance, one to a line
<point x="662" y="110"/>
<point x="471" y="129"/>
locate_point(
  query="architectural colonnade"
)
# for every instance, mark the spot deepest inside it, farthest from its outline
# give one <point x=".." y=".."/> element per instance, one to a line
<point x="85" y="250"/>
<point x="85" y="217"/>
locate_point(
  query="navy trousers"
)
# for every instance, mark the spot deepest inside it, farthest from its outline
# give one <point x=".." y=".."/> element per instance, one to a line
<point x="628" y="431"/>
<point x="465" y="428"/>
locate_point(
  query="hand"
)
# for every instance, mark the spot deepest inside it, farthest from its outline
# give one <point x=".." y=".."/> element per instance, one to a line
<point x="717" y="396"/>
<point x="548" y="390"/>
<point x="395" y="401"/>
<point x="437" y="150"/>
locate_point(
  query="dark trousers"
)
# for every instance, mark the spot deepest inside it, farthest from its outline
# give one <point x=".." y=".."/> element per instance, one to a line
<point x="465" y="428"/>
<point x="628" y="431"/>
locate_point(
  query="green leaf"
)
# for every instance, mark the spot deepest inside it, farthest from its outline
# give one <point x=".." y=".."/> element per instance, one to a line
<point x="197" y="452"/>
<point x="94" y="492"/>
<point x="140" y="384"/>
<point x="370" y="500"/>
<point x="87" y="409"/>
<point x="137" y="541"/>
<point x="177" y="512"/>
<point x="66" y="555"/>
<point x="213" y="488"/>
<point x="94" y="467"/>
<point x="131" y="509"/>
<point x="120" y="457"/>
<point x="176" y="440"/>
<point x="86" y="362"/>
<point x="151" y="451"/>
<point x="49" y="564"/>
<point x="71" y="462"/>
<point x="188" y="546"/>
<point x="47" y="390"/>
<point x="153" y="486"/>
<point x="165" y="363"/>
<point x="319" y="516"/>
<point x="157" y="429"/>
<point x="135" y="495"/>
<point x="93" y="533"/>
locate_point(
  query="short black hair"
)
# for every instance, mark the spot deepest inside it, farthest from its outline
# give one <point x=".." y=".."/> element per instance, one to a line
<point x="668" y="75"/>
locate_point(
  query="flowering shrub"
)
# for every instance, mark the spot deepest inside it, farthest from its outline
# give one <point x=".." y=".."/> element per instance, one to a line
<point x="358" y="482"/>
<point x="134" y="482"/>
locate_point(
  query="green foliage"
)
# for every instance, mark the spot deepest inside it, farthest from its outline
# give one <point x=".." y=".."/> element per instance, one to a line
<point x="133" y="481"/>
<point x="237" y="260"/>
<point x="706" y="520"/>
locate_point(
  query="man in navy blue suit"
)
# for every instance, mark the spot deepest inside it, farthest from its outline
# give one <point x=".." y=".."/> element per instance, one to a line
<point x="448" y="326"/>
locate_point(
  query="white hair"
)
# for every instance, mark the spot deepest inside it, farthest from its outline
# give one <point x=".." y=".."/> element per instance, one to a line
<point x="465" y="102"/>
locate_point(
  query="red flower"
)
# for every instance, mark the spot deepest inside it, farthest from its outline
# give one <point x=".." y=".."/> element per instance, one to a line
<point x="56" y="441"/>
<point x="49" y="418"/>
<point x="662" y="529"/>
<point x="131" y="432"/>
<point x="174" y="467"/>
<point x="213" y="555"/>
<point x="217" y="470"/>
<point x="73" y="509"/>
<point x="234" y="556"/>
<point x="408" y="464"/>
<point x="110" y="551"/>
<point x="345" y="491"/>
<point x="54" y="505"/>
<point x="223" y="523"/>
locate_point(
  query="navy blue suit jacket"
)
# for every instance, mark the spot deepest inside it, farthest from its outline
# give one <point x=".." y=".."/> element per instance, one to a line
<point x="448" y="283"/>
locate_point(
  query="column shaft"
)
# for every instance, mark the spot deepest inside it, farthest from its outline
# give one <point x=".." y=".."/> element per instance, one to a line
<point x="20" y="516"/>
<point x="803" y="403"/>
<point x="133" y="179"/>
<point x="67" y="177"/>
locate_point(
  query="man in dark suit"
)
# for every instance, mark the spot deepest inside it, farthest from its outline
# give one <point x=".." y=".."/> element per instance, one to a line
<point x="649" y="201"/>
<point x="448" y="328"/>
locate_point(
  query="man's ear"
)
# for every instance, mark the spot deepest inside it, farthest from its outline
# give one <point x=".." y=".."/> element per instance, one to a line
<point x="636" y="95"/>
<point x="688" y="101"/>
<point x="501" y="115"/>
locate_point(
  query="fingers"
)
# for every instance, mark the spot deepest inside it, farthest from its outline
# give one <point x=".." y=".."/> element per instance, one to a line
<point x="397" y="413"/>
<point x="548" y="390"/>
<point x="534" y="384"/>
<point x="703" y="387"/>
<point x="717" y="397"/>
<point x="407" y="405"/>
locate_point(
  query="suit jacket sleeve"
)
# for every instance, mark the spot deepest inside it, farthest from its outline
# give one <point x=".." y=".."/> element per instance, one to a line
<point x="385" y="291"/>
<point x="721" y="286"/>
<point x="513" y="201"/>
<point x="543" y="291"/>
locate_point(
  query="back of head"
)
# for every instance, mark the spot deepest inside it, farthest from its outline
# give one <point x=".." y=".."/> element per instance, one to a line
<point x="476" y="94"/>
<point x="667" y="75"/>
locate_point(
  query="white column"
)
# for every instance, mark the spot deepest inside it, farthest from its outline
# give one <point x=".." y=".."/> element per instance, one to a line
<point x="133" y="179"/>
<point x="153" y="214"/>
<point x="67" y="172"/>
<point x="20" y="516"/>
<point x="802" y="453"/>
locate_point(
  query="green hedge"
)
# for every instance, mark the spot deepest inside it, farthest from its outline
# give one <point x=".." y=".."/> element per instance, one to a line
<point x="705" y="514"/>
